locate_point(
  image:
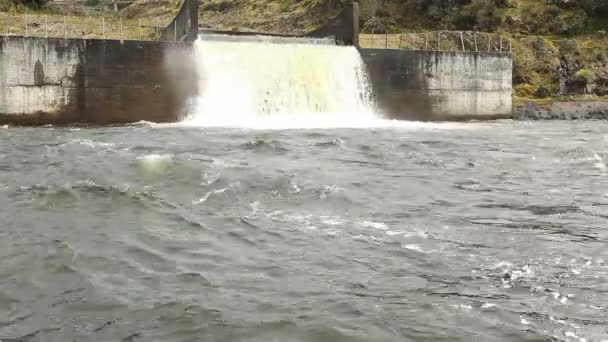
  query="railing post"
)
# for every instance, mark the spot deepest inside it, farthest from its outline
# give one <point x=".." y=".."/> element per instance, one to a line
<point x="139" y="29"/>
<point x="439" y="41"/>
<point x="8" y="23"/>
<point x="65" y="27"/>
<point x="372" y="39"/>
<point x="510" y="44"/>
<point x="46" y="26"/>
<point x="489" y="42"/>
<point x="501" y="43"/>
<point x="103" y="27"/>
<point x="475" y="38"/>
<point x="175" y="30"/>
<point x="400" y="39"/>
<point x="25" y="23"/>
<point x="426" y="41"/>
<point x="121" y="35"/>
<point x="462" y="40"/>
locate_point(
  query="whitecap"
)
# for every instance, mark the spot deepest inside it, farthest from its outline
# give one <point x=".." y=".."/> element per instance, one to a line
<point x="91" y="143"/>
<point x="503" y="264"/>
<point x="255" y="207"/>
<point x="488" y="305"/>
<point x="414" y="247"/>
<point x="210" y="193"/>
<point x="331" y="232"/>
<point x="155" y="162"/>
<point x="599" y="162"/>
<point x="209" y="178"/>
<point x="143" y="123"/>
<point x="375" y="225"/>
<point x="331" y="220"/>
<point x="294" y="187"/>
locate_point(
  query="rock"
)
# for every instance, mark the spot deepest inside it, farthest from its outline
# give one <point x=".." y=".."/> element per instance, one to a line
<point x="562" y="110"/>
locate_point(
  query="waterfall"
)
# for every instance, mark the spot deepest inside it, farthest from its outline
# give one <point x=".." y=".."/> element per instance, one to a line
<point x="280" y="82"/>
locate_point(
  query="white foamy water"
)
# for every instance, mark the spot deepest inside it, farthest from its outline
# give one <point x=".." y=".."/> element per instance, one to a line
<point x="286" y="83"/>
<point x="258" y="84"/>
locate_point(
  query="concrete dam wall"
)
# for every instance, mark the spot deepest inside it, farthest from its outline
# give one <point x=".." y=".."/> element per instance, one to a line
<point x="64" y="81"/>
<point x="438" y="85"/>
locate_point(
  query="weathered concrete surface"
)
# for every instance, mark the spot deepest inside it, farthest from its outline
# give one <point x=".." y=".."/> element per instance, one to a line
<point x="184" y="26"/>
<point x="344" y="27"/>
<point x="61" y="81"/>
<point x="430" y="85"/>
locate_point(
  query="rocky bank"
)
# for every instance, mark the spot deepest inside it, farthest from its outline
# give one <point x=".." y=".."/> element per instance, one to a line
<point x="561" y="110"/>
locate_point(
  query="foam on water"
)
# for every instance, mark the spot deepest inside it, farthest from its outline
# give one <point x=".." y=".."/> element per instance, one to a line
<point x="155" y="163"/>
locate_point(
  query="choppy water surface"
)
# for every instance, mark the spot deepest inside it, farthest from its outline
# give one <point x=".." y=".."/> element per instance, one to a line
<point x="429" y="232"/>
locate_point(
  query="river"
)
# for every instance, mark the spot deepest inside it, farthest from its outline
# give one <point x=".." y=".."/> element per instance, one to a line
<point x="490" y="231"/>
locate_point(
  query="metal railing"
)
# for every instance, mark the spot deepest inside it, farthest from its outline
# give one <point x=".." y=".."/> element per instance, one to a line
<point x="56" y="26"/>
<point x="467" y="41"/>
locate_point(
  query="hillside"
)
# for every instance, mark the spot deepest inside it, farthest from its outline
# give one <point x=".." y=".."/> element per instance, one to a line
<point x="560" y="46"/>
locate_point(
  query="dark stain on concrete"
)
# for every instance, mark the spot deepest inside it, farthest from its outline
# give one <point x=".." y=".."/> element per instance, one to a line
<point x="114" y="82"/>
<point x="38" y="74"/>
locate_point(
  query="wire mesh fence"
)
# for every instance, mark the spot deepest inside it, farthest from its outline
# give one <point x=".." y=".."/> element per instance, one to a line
<point x="56" y="26"/>
<point x="439" y="41"/>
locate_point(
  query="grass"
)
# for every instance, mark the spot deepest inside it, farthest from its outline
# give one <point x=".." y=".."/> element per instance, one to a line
<point x="86" y="27"/>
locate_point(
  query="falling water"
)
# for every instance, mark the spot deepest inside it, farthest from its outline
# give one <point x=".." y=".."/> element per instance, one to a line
<point x="280" y="83"/>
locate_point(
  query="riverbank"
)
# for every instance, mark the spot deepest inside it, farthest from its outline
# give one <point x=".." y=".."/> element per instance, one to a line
<point x="527" y="109"/>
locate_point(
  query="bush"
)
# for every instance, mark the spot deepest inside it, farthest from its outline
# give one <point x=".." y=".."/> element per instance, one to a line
<point x="374" y="24"/>
<point x="481" y="15"/>
<point x="544" y="91"/>
<point x="524" y="90"/>
<point x="552" y="11"/>
<point x="584" y="77"/>
<point x="217" y="6"/>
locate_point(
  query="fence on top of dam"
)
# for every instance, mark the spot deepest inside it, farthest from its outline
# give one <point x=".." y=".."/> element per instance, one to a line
<point x="85" y="27"/>
<point x="467" y="41"/>
<point x="182" y="27"/>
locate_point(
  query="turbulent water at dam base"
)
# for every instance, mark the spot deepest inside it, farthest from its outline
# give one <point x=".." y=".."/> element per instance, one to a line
<point x="427" y="232"/>
<point x="295" y="216"/>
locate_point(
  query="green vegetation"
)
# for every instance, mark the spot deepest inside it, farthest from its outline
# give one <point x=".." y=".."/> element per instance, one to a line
<point x="560" y="47"/>
<point x="267" y="15"/>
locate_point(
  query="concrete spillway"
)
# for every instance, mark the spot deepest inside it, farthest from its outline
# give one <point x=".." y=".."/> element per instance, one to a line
<point x="279" y="81"/>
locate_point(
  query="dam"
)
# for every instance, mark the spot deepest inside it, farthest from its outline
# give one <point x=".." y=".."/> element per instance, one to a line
<point x="190" y="73"/>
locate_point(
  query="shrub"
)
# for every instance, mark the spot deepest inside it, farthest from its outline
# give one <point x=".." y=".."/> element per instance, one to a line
<point x="524" y="90"/>
<point x="584" y="77"/>
<point x="552" y="11"/>
<point x="543" y="91"/>
<point x="374" y="24"/>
